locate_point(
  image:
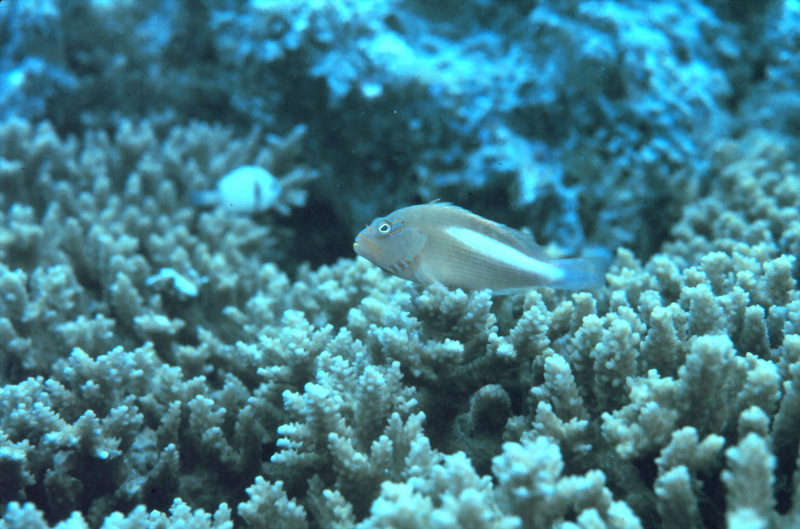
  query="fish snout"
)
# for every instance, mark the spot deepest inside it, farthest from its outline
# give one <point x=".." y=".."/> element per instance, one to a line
<point x="362" y="244"/>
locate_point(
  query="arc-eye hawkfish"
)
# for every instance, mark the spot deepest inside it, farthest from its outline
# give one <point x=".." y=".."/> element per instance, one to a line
<point x="440" y="242"/>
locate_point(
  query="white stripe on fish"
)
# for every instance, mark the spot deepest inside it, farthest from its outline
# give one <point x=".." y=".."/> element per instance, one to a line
<point x="503" y="254"/>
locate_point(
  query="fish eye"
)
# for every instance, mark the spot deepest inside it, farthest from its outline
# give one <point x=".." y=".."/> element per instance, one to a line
<point x="384" y="228"/>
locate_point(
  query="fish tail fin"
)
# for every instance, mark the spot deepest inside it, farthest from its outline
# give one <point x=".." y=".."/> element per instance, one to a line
<point x="205" y="198"/>
<point x="583" y="273"/>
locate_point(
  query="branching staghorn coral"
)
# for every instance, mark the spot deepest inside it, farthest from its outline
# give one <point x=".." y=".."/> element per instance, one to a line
<point x="354" y="422"/>
<point x="344" y="397"/>
<point x="83" y="274"/>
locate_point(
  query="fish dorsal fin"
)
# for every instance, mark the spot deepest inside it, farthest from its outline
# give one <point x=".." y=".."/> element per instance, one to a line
<point x="527" y="243"/>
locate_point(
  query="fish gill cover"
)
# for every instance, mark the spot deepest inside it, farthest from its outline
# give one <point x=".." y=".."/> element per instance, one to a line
<point x="169" y="362"/>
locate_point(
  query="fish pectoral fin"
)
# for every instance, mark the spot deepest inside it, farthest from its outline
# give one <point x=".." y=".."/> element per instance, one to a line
<point x="423" y="276"/>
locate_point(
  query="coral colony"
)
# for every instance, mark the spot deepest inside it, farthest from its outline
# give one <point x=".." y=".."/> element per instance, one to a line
<point x="187" y="339"/>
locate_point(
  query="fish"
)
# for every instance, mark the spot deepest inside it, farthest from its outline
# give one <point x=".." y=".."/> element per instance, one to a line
<point x="247" y="189"/>
<point x="443" y="243"/>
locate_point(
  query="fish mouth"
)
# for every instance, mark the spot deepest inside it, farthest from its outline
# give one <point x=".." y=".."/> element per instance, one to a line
<point x="360" y="239"/>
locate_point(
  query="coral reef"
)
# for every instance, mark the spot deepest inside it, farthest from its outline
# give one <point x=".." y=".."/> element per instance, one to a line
<point x="164" y="364"/>
<point x="351" y="397"/>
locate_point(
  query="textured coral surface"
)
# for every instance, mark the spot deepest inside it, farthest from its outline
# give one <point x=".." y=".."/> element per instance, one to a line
<point x="167" y="362"/>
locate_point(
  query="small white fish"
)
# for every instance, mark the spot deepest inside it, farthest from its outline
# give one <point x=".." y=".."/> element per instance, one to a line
<point x="247" y="189"/>
<point x="440" y="242"/>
